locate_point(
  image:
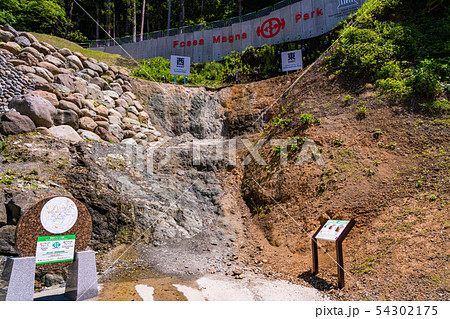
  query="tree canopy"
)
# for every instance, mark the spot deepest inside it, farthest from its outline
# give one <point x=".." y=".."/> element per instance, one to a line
<point x="77" y="19"/>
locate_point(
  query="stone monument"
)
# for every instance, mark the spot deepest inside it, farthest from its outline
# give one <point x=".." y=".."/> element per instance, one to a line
<point x="53" y="234"/>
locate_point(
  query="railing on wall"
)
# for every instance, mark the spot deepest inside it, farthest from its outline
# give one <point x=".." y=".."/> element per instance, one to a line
<point x="190" y="29"/>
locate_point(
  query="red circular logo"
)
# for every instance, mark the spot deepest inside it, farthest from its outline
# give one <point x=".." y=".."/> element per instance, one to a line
<point x="271" y="28"/>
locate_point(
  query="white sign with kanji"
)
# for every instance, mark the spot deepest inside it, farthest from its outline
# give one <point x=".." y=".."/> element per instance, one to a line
<point x="291" y="60"/>
<point x="180" y="65"/>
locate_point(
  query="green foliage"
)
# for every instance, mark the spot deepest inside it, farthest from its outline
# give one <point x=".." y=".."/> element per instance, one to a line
<point x="46" y="16"/>
<point x="309" y="119"/>
<point x="436" y="107"/>
<point x="76" y="36"/>
<point x="280" y="122"/>
<point x="398" y="45"/>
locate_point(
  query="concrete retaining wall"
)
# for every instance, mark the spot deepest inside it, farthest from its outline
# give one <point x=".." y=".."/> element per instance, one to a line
<point x="300" y="20"/>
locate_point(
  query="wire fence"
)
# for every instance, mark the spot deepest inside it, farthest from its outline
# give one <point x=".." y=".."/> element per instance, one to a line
<point x="190" y="29"/>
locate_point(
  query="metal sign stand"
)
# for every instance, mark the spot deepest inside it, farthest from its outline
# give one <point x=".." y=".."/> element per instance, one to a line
<point x="339" y="252"/>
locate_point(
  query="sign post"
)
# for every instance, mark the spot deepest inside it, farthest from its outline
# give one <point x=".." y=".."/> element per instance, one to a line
<point x="291" y="61"/>
<point x="50" y="235"/>
<point x="336" y="231"/>
<point x="180" y="65"/>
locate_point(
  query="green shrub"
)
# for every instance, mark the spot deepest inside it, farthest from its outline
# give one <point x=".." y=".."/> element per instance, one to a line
<point x="436" y="107"/>
<point x="425" y="80"/>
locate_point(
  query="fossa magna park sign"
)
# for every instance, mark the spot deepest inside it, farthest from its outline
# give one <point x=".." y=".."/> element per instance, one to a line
<point x="300" y="20"/>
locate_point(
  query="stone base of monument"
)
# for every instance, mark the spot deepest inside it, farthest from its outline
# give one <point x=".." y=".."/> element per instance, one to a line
<point x="82" y="277"/>
<point x="19" y="272"/>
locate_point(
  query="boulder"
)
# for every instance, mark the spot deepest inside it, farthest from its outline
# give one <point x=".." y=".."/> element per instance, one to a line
<point x="56" y="89"/>
<point x="38" y="109"/>
<point x="116" y="87"/>
<point x="22" y="41"/>
<point x="34" y="52"/>
<point x="75" y="84"/>
<point x="80" y="56"/>
<point x="138" y="106"/>
<point x="53" y="69"/>
<point x="121" y="111"/>
<point x="44" y="73"/>
<point x="42" y="49"/>
<point x="66" y="105"/>
<point x="87" y="112"/>
<point x="59" y="56"/>
<point x="29" y="36"/>
<point x="121" y="103"/>
<point x="54" y="60"/>
<point x="88" y="73"/>
<point x="28" y="58"/>
<point x="25" y="68"/>
<point x="89" y="136"/>
<point x="104" y="66"/>
<point x="102" y="110"/>
<point x="106" y="135"/>
<point x="10" y="29"/>
<point x="7" y="240"/>
<point x="112" y="112"/>
<point x="109" y="102"/>
<point x="65" y="52"/>
<point x="75" y="60"/>
<point x="99" y="81"/>
<point x="104" y="124"/>
<point x="116" y="130"/>
<point x="75" y="100"/>
<point x="94" y="67"/>
<point x="65" y="132"/>
<point x="94" y="93"/>
<point x="67" y="117"/>
<point x="87" y="123"/>
<point x="48" y="46"/>
<point x="17" y="62"/>
<point x="46" y="95"/>
<point x="111" y="94"/>
<point x="13" y="122"/>
<point x="12" y="47"/>
<point x="129" y="141"/>
<point x="6" y="36"/>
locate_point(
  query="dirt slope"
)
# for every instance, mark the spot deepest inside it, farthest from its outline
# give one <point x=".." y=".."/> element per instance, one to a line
<point x="388" y="169"/>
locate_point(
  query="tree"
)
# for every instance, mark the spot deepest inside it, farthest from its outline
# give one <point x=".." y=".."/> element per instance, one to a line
<point x="142" y="20"/>
<point x="182" y="17"/>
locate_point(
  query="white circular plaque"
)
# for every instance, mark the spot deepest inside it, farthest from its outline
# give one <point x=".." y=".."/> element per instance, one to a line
<point x="59" y="215"/>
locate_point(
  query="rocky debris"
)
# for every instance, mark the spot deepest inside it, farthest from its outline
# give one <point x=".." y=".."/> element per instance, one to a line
<point x="52" y="279"/>
<point x="99" y="95"/>
<point x="12" y="122"/>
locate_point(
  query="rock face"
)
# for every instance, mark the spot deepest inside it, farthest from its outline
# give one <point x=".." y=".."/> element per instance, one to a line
<point x="38" y="109"/>
<point x="3" y="216"/>
<point x="7" y="241"/>
<point x="13" y="122"/>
